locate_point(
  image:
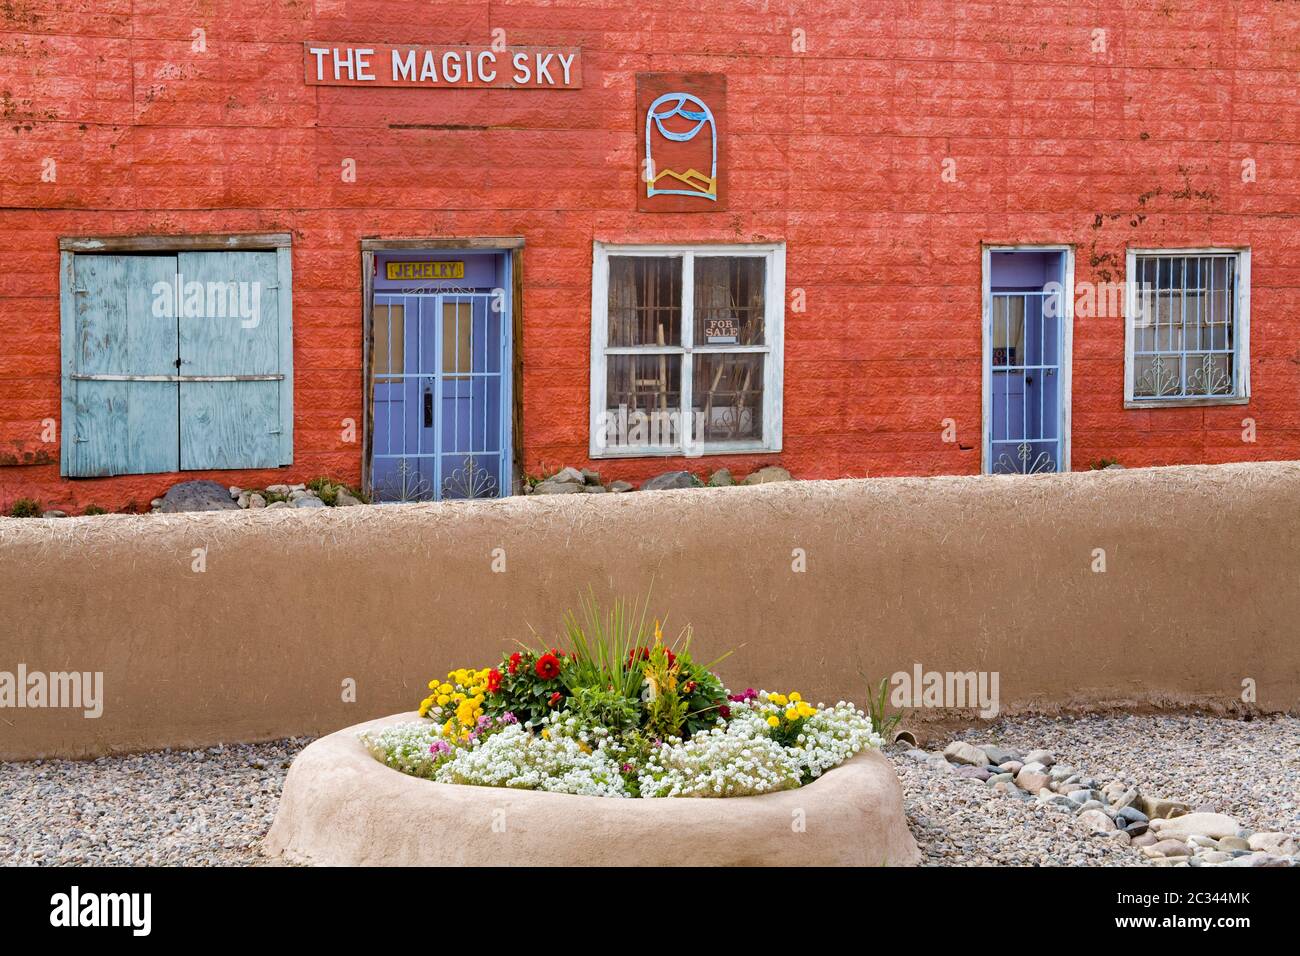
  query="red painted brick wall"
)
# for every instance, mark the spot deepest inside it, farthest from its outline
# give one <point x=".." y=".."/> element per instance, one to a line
<point x="836" y="150"/>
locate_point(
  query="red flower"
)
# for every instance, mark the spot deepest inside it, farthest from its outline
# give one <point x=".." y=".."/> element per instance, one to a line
<point x="548" y="667"/>
<point x="724" y="712"/>
<point x="515" y="658"/>
<point x="555" y="698"/>
<point x="494" y="681"/>
<point x="643" y="654"/>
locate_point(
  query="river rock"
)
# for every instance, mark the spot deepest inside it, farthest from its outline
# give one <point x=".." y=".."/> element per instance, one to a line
<point x="550" y="487"/>
<point x="1158" y="808"/>
<point x="1182" y="827"/>
<point x="1095" y="821"/>
<point x="767" y="475"/>
<point x="1040" y="756"/>
<point x="197" y="496"/>
<point x="669" y="480"/>
<point x="1031" y="781"/>
<point x="1275" y="842"/>
<point x="961" y="752"/>
<point x="1167" y="848"/>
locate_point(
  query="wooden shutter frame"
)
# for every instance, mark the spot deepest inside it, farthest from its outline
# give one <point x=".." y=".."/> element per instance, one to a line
<point x="69" y="246"/>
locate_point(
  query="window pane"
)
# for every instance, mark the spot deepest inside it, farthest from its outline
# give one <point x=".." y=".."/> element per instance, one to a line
<point x="727" y="394"/>
<point x="645" y="301"/>
<point x="643" y="400"/>
<point x="387" y="357"/>
<point x="729" y="300"/>
<point x="457" y="344"/>
<point x="1183" y="343"/>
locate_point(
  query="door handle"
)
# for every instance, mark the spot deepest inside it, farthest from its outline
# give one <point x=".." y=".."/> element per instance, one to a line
<point x="428" y="409"/>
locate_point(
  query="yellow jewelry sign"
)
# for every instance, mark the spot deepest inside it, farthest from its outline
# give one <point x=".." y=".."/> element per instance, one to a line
<point x="426" y="270"/>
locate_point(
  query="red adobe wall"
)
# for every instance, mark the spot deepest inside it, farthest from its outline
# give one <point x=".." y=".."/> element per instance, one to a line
<point x="836" y="151"/>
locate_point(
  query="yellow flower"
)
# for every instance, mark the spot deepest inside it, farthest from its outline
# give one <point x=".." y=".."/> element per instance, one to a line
<point x="806" y="710"/>
<point x="433" y="684"/>
<point x="794" y="696"/>
<point x="778" y="699"/>
<point x="546" y="734"/>
<point x="442" y="700"/>
<point x="792" y="715"/>
<point x="774" y="721"/>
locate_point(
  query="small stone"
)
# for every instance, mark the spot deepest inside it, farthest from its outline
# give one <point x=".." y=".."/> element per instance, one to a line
<point x="767" y="475"/>
<point x="243" y="499"/>
<point x="1158" y="808"/>
<point x="997" y="755"/>
<point x="277" y="504"/>
<point x="569" y="476"/>
<point x="1010" y="789"/>
<point x="296" y="494"/>
<point x="1132" y="814"/>
<point x="1259" y="858"/>
<point x="670" y="480"/>
<point x="278" y="489"/>
<point x="1080" y="796"/>
<point x="1215" y="857"/>
<point x="1011" y="766"/>
<point x="1000" y="778"/>
<point x="975" y="773"/>
<point x="1094" y="805"/>
<point x="256" y="501"/>
<point x="345" y="499"/>
<point x="309" y="501"/>
<point x="236" y="491"/>
<point x="1033" y="766"/>
<point x="621" y="486"/>
<point x="196" y="496"/>
<point x="54" y="513"/>
<point x="961" y="752"/>
<point x="1143" y="839"/>
<point x="1031" y="781"/>
<point x="590" y="476"/>
<point x="1195" y="824"/>
<point x="1127" y="799"/>
<point x="1274" y="842"/>
<point x="721" y="479"/>
<point x="1167" y="848"/>
<point x="298" y="487"/>
<point x="1040" y="756"/>
<point x="1096" y="821"/>
<point x="1233" y="843"/>
<point x="550" y="487"/>
<point x="1197" y="840"/>
<point x="1137" y="829"/>
<point x="1120" y="837"/>
<point x="594" y="489"/>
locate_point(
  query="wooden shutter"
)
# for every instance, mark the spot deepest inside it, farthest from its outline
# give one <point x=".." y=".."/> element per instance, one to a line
<point x="237" y="343"/>
<point x="119" y="362"/>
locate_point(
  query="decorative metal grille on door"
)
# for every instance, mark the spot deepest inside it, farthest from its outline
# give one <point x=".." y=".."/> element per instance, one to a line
<point x="440" y="428"/>
<point x="1025" y="431"/>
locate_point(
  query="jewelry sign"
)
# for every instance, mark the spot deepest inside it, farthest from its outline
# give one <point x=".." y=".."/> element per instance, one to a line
<point x="442" y="67"/>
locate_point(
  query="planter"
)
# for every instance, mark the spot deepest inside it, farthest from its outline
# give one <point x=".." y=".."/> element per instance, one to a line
<point x="342" y="807"/>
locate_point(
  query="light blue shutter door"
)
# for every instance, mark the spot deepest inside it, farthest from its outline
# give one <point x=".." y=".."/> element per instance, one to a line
<point x="114" y="422"/>
<point x="230" y="329"/>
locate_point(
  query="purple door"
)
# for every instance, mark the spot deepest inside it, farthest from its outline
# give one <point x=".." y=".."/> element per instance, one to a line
<point x="440" y="428"/>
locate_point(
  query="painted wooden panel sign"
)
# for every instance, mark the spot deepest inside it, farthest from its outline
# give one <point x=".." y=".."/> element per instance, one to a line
<point x="442" y="269"/>
<point x="442" y="67"/>
<point x="681" y="121"/>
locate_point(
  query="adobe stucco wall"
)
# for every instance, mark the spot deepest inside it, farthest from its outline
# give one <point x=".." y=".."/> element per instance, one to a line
<point x="1201" y="590"/>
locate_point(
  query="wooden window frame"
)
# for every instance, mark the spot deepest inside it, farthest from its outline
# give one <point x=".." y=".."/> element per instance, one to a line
<point x="1240" y="336"/>
<point x="773" y="254"/>
<point x="281" y="243"/>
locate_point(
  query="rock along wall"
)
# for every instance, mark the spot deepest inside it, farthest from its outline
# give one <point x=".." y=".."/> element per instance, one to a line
<point x="1199" y="593"/>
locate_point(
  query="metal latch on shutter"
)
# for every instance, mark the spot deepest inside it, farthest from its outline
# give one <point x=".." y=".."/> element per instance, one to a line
<point x="178" y="378"/>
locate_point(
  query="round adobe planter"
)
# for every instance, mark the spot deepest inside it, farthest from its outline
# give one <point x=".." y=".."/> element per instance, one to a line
<point x="342" y="807"/>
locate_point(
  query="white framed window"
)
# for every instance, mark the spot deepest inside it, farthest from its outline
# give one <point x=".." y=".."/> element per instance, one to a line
<point x="1187" y="327"/>
<point x="686" y="349"/>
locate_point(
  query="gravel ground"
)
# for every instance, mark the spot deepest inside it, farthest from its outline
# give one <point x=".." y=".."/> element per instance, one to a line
<point x="200" y="807"/>
<point x="1247" y="769"/>
<point x="212" y="807"/>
